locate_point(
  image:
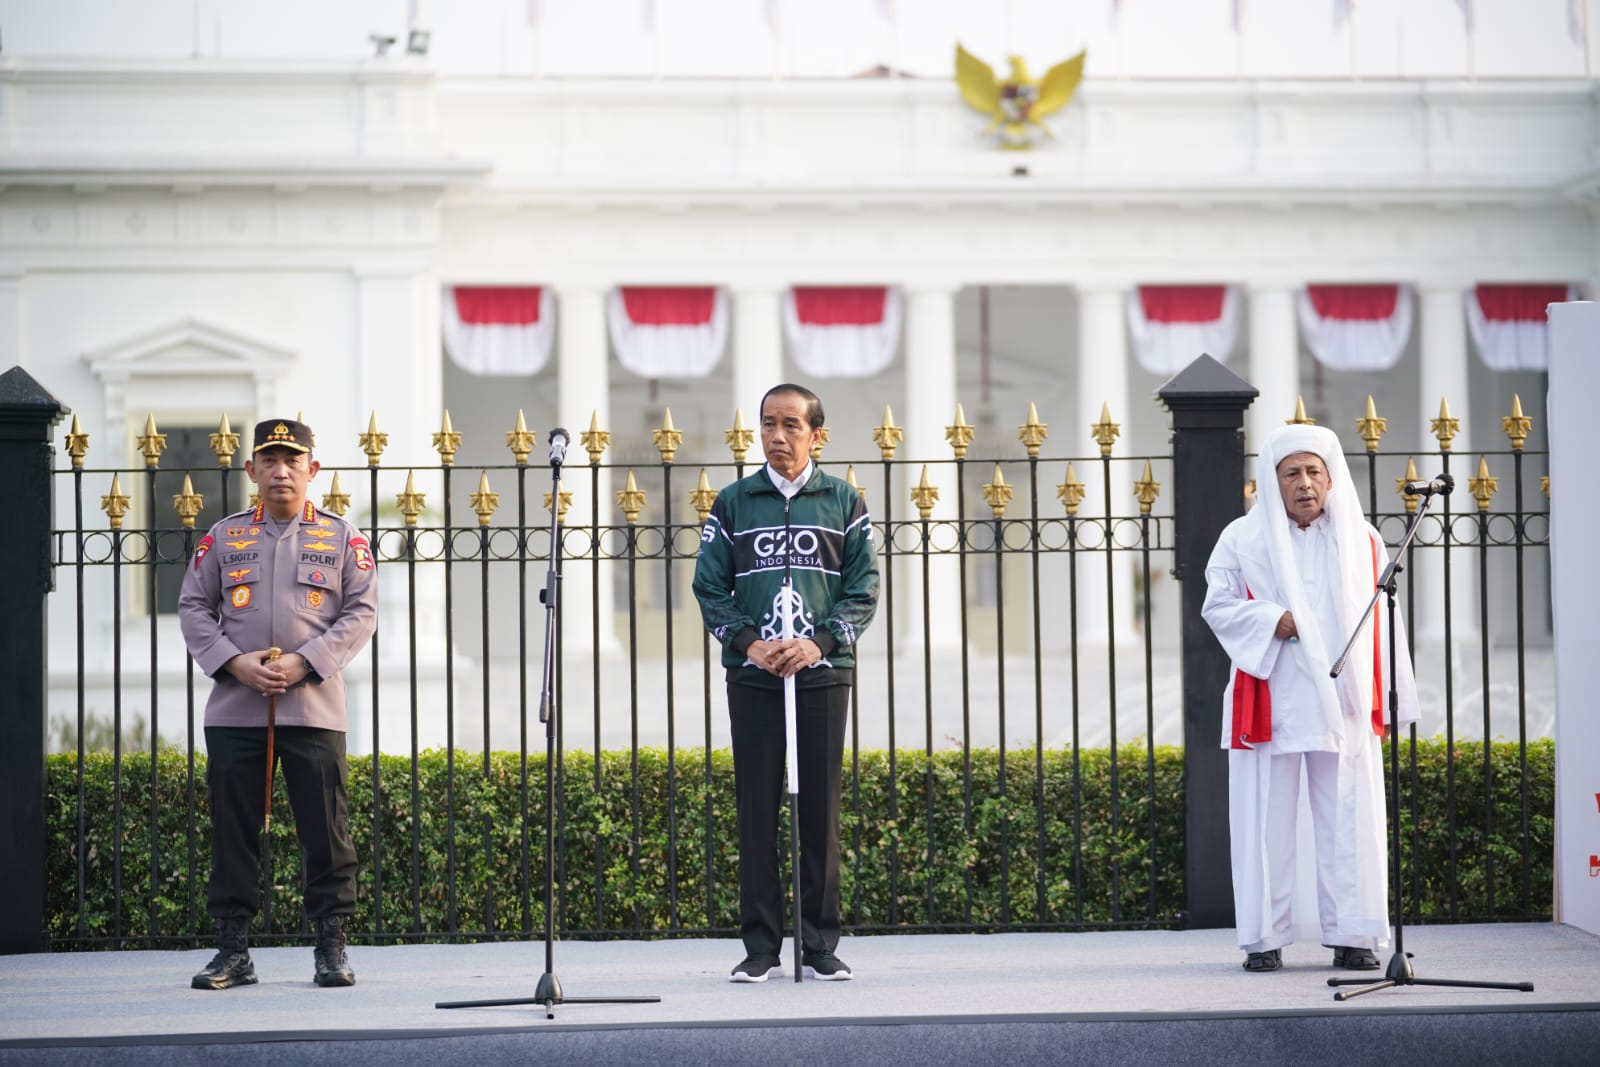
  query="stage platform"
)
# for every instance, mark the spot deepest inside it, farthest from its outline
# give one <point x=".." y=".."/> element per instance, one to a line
<point x="1169" y="997"/>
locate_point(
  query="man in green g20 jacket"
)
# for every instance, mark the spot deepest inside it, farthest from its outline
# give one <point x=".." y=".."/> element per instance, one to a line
<point x="790" y="533"/>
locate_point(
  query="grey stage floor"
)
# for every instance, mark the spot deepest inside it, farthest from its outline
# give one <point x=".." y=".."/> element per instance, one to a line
<point x="103" y="995"/>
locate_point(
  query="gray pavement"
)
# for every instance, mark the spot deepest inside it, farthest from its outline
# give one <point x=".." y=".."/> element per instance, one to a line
<point x="930" y="979"/>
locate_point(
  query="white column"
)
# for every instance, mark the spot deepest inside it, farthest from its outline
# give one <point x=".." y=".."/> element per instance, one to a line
<point x="1443" y="375"/>
<point x="1274" y="361"/>
<point x="930" y="406"/>
<point x="11" y="354"/>
<point x="583" y="394"/>
<point x="1102" y="382"/>
<point x="757" y="354"/>
<point x="397" y="376"/>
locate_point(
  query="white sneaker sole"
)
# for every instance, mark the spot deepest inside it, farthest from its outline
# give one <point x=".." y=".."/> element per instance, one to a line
<point x="837" y="976"/>
<point x="775" y="970"/>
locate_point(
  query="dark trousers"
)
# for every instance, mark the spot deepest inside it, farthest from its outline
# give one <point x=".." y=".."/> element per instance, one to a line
<point x="759" y="787"/>
<point x="314" y="774"/>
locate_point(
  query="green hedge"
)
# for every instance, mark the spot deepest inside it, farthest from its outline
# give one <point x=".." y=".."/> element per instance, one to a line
<point x="986" y="876"/>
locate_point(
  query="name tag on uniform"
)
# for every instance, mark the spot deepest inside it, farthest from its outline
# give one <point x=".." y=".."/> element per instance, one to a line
<point x="322" y="559"/>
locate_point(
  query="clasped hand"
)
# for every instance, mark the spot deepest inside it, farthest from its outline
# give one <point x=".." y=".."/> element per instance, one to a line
<point x="266" y="676"/>
<point x="784" y="658"/>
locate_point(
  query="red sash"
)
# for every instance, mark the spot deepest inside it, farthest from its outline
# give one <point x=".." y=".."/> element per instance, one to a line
<point x="1252" y="697"/>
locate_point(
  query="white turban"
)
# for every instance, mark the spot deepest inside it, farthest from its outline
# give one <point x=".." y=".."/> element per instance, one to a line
<point x="1353" y="540"/>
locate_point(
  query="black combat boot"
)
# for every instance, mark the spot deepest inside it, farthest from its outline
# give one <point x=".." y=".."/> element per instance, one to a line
<point x="333" y="969"/>
<point x="231" y="965"/>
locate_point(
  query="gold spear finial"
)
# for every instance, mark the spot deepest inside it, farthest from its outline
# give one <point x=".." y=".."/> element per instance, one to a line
<point x="1146" y="489"/>
<point x="1400" y="484"/>
<point x="886" y="435"/>
<point x="372" y="442"/>
<point x="115" y="503"/>
<point x="925" y="494"/>
<point x="668" y="439"/>
<point x="1544" y="484"/>
<point x="739" y="438"/>
<point x="411" y="502"/>
<point x="959" y="434"/>
<point x="77" y="443"/>
<point x="703" y="496"/>
<point x="997" y="494"/>
<point x="447" y="441"/>
<point x="566" y="504"/>
<point x="850" y="480"/>
<point x="1071" y="491"/>
<point x="1300" y="416"/>
<point x="1033" y="432"/>
<point x="1517" y="425"/>
<point x="822" y="442"/>
<point x="1105" y="431"/>
<point x="595" y="439"/>
<point x="187" y="503"/>
<point x="152" y="444"/>
<point x="631" y="499"/>
<point x="483" y="501"/>
<point x="521" y="440"/>
<point x="1371" y="426"/>
<point x="336" y="499"/>
<point x="224" y="442"/>
<point x="1483" y="487"/>
<point x="1444" y="427"/>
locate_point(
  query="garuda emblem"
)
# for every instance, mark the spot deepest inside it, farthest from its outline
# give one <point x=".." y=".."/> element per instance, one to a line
<point x="1017" y="105"/>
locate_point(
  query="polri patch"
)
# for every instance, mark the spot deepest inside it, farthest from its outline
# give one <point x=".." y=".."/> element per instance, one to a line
<point x="363" y="553"/>
<point x="201" y="549"/>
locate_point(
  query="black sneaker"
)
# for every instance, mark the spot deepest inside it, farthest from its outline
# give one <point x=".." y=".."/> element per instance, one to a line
<point x="226" y="970"/>
<point x="757" y="967"/>
<point x="824" y="966"/>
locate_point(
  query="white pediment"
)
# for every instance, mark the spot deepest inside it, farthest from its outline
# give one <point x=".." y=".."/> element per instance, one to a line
<point x="188" y="348"/>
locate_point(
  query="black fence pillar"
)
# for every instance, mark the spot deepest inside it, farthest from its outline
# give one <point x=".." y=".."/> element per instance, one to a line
<point x="27" y="413"/>
<point x="1207" y="403"/>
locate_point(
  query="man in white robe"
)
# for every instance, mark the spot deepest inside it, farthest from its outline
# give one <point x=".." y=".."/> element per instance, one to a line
<point x="1286" y="586"/>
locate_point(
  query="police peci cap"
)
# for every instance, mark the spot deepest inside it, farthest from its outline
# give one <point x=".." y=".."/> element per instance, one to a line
<point x="283" y="433"/>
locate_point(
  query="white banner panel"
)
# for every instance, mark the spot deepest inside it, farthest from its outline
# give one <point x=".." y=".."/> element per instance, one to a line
<point x="1575" y="592"/>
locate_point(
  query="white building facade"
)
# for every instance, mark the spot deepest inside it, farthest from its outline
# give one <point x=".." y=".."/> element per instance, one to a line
<point x="184" y="237"/>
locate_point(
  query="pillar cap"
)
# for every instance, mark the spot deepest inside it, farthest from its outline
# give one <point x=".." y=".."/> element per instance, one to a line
<point x="24" y="401"/>
<point x="1206" y="383"/>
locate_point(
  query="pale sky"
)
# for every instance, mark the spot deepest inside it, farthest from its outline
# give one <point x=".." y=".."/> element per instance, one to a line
<point x="839" y="38"/>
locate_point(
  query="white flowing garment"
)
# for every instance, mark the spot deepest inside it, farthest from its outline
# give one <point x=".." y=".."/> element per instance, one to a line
<point x="1254" y="575"/>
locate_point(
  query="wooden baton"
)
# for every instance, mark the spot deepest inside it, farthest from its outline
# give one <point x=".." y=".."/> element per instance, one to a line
<point x="273" y="655"/>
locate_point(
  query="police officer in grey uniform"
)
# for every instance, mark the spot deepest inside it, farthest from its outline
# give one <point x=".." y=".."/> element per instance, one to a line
<point x="284" y="575"/>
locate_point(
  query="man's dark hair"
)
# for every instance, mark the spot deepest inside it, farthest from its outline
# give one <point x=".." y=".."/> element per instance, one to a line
<point x="814" y="413"/>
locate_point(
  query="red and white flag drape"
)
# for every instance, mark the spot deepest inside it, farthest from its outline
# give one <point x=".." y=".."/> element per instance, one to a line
<point x="498" y="329"/>
<point x="1509" y="324"/>
<point x="676" y="331"/>
<point x="842" y="331"/>
<point x="1172" y="324"/>
<point x="1356" y="327"/>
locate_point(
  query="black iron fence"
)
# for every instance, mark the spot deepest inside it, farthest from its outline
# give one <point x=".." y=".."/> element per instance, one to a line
<point x="1014" y="759"/>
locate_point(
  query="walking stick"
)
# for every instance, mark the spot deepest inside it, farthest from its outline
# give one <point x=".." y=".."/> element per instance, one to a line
<point x="272" y="721"/>
<point x="791" y="742"/>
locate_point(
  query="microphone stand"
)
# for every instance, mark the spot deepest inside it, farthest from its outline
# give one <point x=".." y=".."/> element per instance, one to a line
<point x="1399" y="971"/>
<point x="548" y="992"/>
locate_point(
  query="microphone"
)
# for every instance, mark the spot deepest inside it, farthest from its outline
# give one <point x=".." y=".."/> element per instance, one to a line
<point x="558" y="447"/>
<point x="1440" y="485"/>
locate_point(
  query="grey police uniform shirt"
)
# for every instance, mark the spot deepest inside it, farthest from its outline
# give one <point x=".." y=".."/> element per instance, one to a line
<point x="307" y="585"/>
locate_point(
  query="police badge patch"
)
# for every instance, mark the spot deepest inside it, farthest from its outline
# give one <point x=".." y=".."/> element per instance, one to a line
<point x="201" y="550"/>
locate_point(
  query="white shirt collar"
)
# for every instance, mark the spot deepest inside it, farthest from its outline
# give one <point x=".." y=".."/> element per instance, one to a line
<point x="784" y="485"/>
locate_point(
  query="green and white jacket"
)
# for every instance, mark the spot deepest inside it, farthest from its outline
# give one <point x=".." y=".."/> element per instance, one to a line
<point x="755" y="545"/>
